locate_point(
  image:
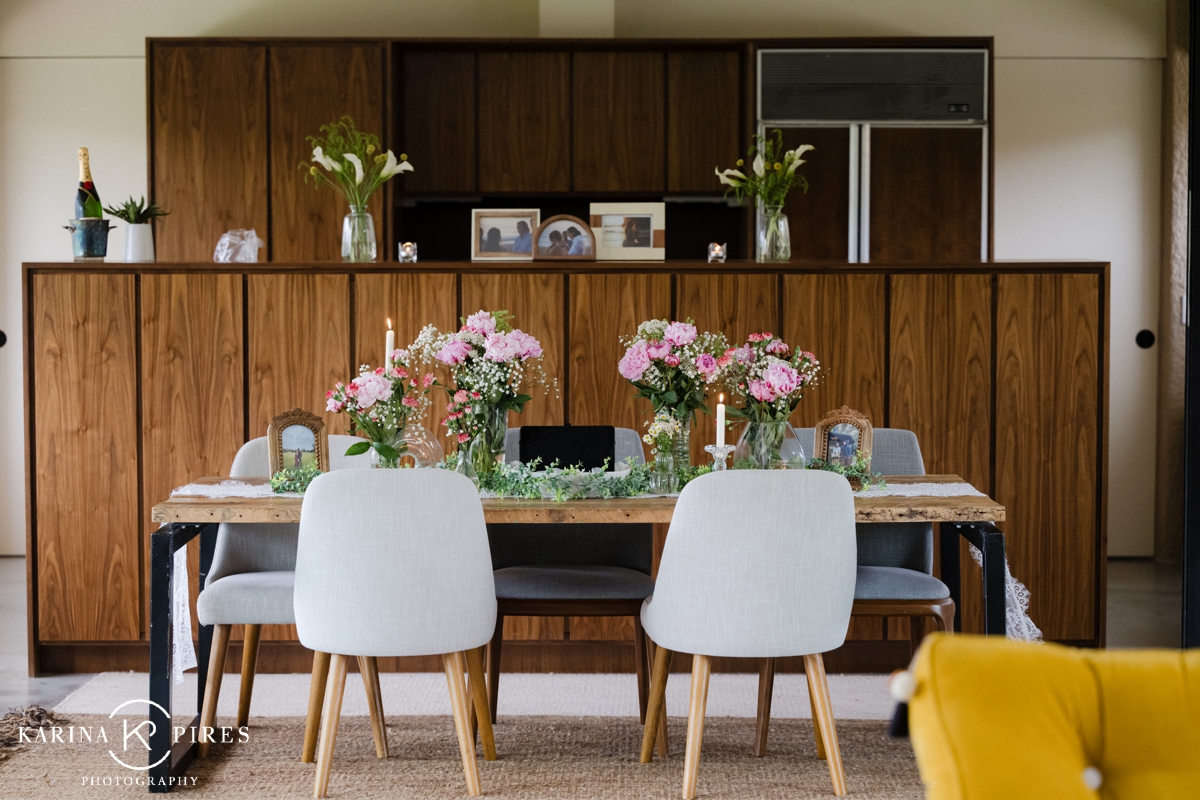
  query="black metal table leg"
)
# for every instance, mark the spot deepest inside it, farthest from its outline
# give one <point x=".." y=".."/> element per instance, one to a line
<point x="990" y="541"/>
<point x="208" y="544"/>
<point x="951" y="569"/>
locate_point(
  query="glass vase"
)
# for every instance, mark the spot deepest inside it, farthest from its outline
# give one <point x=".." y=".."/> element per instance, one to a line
<point x="358" y="235"/>
<point x="396" y="440"/>
<point x="681" y="444"/>
<point x="486" y="451"/>
<point x="768" y="445"/>
<point x="662" y="477"/>
<point x="421" y="445"/>
<point x="772" y="239"/>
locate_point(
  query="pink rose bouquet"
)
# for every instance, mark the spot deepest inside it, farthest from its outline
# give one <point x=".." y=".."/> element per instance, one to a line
<point x="672" y="364"/>
<point x="769" y="376"/>
<point x="379" y="403"/>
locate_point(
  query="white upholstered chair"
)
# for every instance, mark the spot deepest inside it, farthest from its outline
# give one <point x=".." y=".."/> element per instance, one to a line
<point x="396" y="563"/>
<point x="250" y="580"/>
<point x="757" y="564"/>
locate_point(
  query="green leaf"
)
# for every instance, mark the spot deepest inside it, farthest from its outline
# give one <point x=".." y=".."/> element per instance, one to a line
<point x="670" y="397"/>
<point x="358" y="448"/>
<point x="386" y="450"/>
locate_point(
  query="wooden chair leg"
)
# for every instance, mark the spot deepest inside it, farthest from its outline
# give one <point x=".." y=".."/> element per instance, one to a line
<point x="480" y="704"/>
<point x="316" y="697"/>
<point x="701" y="668"/>
<point x="368" y="667"/>
<point x="944" y="616"/>
<point x="493" y="683"/>
<point x="454" y="666"/>
<point x="212" y="688"/>
<point x="249" y="659"/>
<point x="331" y="715"/>
<point x="814" y="665"/>
<point x="766" y="688"/>
<point x="916" y="632"/>
<point x="812" y="704"/>
<point x="639" y="658"/>
<point x="656" y="716"/>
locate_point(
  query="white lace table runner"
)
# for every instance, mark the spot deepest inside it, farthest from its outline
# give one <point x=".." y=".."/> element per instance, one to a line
<point x="230" y="488"/>
<point x="922" y="490"/>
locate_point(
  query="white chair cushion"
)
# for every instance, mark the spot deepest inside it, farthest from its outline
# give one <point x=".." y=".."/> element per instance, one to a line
<point x="249" y="598"/>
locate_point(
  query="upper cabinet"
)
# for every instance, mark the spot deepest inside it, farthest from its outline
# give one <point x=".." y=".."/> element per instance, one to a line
<point x="310" y="86"/>
<point x="703" y="117"/>
<point x="208" y="151"/>
<point x="438" y="121"/>
<point x="618" y="122"/>
<point x="524" y="140"/>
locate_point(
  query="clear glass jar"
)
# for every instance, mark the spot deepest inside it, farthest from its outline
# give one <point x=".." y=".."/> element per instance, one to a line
<point x="486" y="450"/>
<point x="772" y="239"/>
<point x="662" y="477"/>
<point x="768" y="445"/>
<point x="396" y="441"/>
<point x="681" y="444"/>
<point x="421" y="446"/>
<point x="358" y="235"/>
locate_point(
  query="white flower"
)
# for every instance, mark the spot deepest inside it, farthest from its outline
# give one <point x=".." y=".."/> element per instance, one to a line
<point x="759" y="165"/>
<point x="727" y="177"/>
<point x="795" y="154"/>
<point x="392" y="166"/>
<point x="325" y="161"/>
<point x="358" y="167"/>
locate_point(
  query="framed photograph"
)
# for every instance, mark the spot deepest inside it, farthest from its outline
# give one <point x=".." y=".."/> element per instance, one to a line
<point x="841" y="435"/>
<point x="630" y="231"/>
<point x="503" y="234"/>
<point x="298" y="438"/>
<point x="565" y="238"/>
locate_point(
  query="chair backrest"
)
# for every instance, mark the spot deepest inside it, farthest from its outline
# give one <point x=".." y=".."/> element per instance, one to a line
<point x="890" y="544"/>
<point x="757" y="564"/>
<point x="629" y="546"/>
<point x="393" y="563"/>
<point x="254" y="547"/>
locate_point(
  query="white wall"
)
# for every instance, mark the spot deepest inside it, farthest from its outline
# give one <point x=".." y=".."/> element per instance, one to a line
<point x="1077" y="134"/>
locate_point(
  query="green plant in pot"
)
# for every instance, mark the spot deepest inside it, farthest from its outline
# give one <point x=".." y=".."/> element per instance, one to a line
<point x="139" y="235"/>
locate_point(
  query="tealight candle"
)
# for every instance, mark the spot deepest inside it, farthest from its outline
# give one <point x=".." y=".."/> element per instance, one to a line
<point x="390" y="342"/>
<point x="721" y="421"/>
<point x="408" y="252"/>
<point x="717" y="252"/>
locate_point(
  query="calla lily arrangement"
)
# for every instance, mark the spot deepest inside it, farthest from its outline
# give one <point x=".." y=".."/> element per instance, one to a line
<point x="352" y="162"/>
<point x="772" y="174"/>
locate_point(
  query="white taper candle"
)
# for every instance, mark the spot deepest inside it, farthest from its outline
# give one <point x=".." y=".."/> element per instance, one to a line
<point x="391" y="343"/>
<point x="721" y="422"/>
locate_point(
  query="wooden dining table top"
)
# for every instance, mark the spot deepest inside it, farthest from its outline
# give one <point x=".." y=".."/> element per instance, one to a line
<point x="887" y="508"/>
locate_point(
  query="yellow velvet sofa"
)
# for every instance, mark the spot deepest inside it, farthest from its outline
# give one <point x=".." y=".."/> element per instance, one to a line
<point x="991" y="718"/>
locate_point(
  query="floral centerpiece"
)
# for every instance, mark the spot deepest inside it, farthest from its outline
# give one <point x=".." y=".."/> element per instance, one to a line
<point x="661" y="435"/>
<point x="380" y="404"/>
<point x="672" y="364"/>
<point x="492" y="364"/>
<point x="354" y="167"/>
<point x="771" y="176"/>
<point x="769" y="377"/>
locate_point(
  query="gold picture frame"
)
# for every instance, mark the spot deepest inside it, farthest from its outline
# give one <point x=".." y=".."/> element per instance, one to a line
<point x="852" y="433"/>
<point x="568" y="229"/>
<point x="301" y="444"/>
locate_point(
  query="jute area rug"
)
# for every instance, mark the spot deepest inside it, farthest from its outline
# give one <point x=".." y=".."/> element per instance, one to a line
<point x="582" y="758"/>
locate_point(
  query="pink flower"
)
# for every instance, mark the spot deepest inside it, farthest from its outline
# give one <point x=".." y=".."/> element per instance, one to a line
<point x="371" y="388"/>
<point x="334" y="405"/>
<point x="783" y="379"/>
<point x="706" y="365"/>
<point x="761" y="391"/>
<point x="411" y="402"/>
<point x="755" y="337"/>
<point x="500" y="347"/>
<point x="399" y="372"/>
<point x="397" y="356"/>
<point x="460" y="396"/>
<point x="527" y="345"/>
<point x="724" y="360"/>
<point x="635" y="362"/>
<point x="481" y="322"/>
<point x="428" y="381"/>
<point x="462" y="437"/>
<point x="476" y="395"/>
<point x="744" y="354"/>
<point x="680" y="333"/>
<point x="778" y="347"/>
<point x="379" y="370"/>
<point x="658" y="350"/>
<point x="455" y="352"/>
<point x="671" y="360"/>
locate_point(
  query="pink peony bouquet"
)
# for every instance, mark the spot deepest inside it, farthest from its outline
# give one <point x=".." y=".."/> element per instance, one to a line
<point x="672" y="364"/>
<point x="768" y="376"/>
<point x="379" y="403"/>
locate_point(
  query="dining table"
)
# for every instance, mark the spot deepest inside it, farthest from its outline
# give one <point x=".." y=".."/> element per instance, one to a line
<point x="969" y="516"/>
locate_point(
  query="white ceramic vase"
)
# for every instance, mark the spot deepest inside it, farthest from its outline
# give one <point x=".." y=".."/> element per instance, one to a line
<point x="139" y="243"/>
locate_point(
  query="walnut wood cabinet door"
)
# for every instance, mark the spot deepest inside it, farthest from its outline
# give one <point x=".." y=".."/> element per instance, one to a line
<point x="439" y="121"/>
<point x="524" y="122"/>
<point x="208" y="140"/>
<point x="703" y="99"/>
<point x="312" y="85"/>
<point x="84" y="380"/>
<point x="1048" y="422"/>
<point x="819" y="219"/>
<point x="618" y="119"/>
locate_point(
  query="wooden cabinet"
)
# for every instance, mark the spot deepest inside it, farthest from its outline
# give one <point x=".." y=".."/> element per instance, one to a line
<point x="439" y="121"/>
<point x="208" y="145"/>
<point x="524" y="122"/>
<point x="85" y="458"/>
<point x="311" y="86"/>
<point x="703" y="88"/>
<point x="819" y="219"/>
<point x="617" y="135"/>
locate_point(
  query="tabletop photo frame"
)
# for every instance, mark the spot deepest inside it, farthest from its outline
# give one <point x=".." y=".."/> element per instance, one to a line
<point x="630" y="231"/>
<point x="297" y="438"/>
<point x="841" y="435"/>
<point x="564" y="238"/>
<point x="503" y="234"/>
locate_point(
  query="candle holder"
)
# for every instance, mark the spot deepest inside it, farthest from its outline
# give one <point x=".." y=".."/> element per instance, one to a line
<point x="717" y="253"/>
<point x="408" y="253"/>
<point x="719" y="453"/>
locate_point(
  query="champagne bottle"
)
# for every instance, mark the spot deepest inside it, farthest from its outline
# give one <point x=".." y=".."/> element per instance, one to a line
<point x="87" y="199"/>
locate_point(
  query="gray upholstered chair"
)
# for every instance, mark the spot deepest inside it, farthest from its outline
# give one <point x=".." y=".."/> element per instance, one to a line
<point x="396" y="563"/>
<point x="895" y="564"/>
<point x="756" y="565"/>
<point x="250" y="580"/>
<point x="592" y="570"/>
